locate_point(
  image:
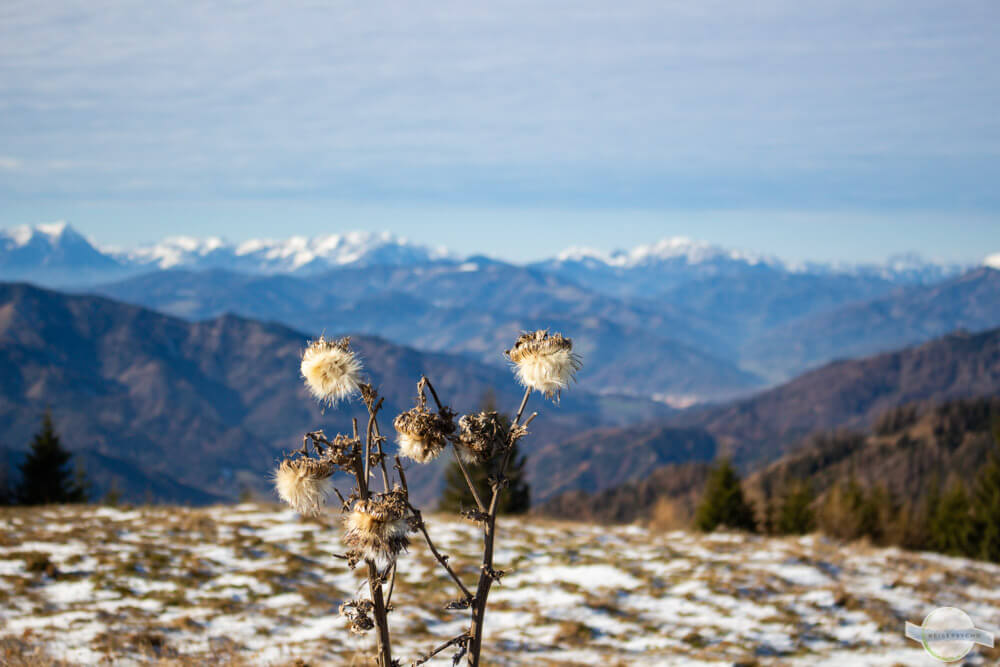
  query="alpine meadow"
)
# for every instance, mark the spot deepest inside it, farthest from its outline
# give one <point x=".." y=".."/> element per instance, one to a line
<point x="499" y="335"/>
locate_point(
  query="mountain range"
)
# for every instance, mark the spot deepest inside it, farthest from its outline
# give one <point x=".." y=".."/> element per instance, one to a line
<point x="56" y="253"/>
<point x="678" y="321"/>
<point x="851" y="393"/>
<point x="908" y="451"/>
<point x="163" y="408"/>
<point x="189" y="412"/>
<point x="48" y="252"/>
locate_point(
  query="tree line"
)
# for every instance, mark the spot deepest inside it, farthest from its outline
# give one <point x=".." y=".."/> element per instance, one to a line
<point x="957" y="518"/>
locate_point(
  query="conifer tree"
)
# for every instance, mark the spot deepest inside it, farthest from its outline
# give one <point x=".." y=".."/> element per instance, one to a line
<point x="723" y="504"/>
<point x="986" y="506"/>
<point x="6" y="492"/>
<point x="795" y="515"/>
<point x="951" y="526"/>
<point x="516" y="498"/>
<point x="46" y="476"/>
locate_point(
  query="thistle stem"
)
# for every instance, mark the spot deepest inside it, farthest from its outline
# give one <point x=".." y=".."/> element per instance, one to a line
<point x="374" y="580"/>
<point x="461" y="465"/>
<point x="468" y="480"/>
<point x="489" y="530"/>
<point x="443" y="560"/>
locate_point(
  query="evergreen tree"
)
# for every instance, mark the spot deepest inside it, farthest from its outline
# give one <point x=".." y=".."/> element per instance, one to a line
<point x="795" y="515"/>
<point x="515" y="499"/>
<point x="722" y="502"/>
<point x="46" y="475"/>
<point x="951" y="523"/>
<point x="6" y="493"/>
<point x="986" y="509"/>
<point x="848" y="512"/>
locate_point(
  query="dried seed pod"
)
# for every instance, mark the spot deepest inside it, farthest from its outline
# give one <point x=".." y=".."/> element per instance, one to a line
<point x="343" y="451"/>
<point x="377" y="529"/>
<point x="482" y="436"/>
<point x="304" y="484"/>
<point x="357" y="612"/>
<point x="331" y="369"/>
<point x="544" y="362"/>
<point x="422" y="434"/>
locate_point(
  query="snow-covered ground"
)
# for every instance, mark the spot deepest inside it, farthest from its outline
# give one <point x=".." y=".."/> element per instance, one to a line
<point x="253" y="584"/>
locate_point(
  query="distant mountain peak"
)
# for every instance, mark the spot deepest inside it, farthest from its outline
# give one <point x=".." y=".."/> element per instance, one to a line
<point x="690" y="251"/>
<point x="50" y="232"/>
<point x="51" y="248"/>
<point x="289" y="255"/>
<point x="992" y="261"/>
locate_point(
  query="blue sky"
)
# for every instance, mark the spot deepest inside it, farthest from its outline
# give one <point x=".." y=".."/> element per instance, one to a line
<point x="822" y="130"/>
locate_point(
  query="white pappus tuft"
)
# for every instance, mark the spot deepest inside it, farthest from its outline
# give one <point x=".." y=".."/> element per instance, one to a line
<point x="331" y="370"/>
<point x="304" y="484"/>
<point x="544" y="362"/>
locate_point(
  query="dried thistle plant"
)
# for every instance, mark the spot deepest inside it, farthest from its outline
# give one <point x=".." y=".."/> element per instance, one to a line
<point x="377" y="525"/>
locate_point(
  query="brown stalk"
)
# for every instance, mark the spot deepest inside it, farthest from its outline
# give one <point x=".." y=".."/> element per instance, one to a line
<point x="461" y="465"/>
<point x="374" y="581"/>
<point x="419" y="520"/>
<point x="487" y="575"/>
<point x="460" y="639"/>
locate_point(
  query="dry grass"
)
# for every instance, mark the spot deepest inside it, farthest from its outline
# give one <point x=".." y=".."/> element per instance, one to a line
<point x="253" y="585"/>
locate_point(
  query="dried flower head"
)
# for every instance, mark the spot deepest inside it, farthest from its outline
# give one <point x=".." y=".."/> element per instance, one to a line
<point x="377" y="529"/>
<point x="343" y="451"/>
<point x="331" y="369"/>
<point x="422" y="434"/>
<point x="544" y="362"/>
<point x="304" y="484"/>
<point x="357" y="612"/>
<point x="482" y="435"/>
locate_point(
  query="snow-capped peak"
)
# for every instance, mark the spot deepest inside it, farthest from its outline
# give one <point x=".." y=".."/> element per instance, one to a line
<point x="582" y="253"/>
<point x="992" y="261"/>
<point x="688" y="250"/>
<point x="289" y="255"/>
<point x="50" y="232"/>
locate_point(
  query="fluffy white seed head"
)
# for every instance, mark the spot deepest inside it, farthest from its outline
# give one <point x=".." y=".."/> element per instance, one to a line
<point x="304" y="484"/>
<point x="417" y="448"/>
<point x="331" y="369"/>
<point x="422" y="434"/>
<point x="377" y="535"/>
<point x="544" y="363"/>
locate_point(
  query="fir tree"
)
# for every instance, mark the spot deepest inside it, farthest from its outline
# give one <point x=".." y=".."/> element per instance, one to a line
<point x="723" y="504"/>
<point x="6" y="493"/>
<point x="986" y="509"/>
<point x="951" y="525"/>
<point x="849" y="513"/>
<point x="46" y="475"/>
<point x="515" y="499"/>
<point x="795" y="515"/>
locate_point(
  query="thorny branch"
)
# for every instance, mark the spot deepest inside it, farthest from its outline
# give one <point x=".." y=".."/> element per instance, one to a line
<point x="424" y="382"/>
<point x="422" y="527"/>
<point x="489" y="574"/>
<point x="374" y="580"/>
<point x="461" y="640"/>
